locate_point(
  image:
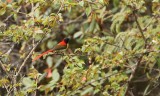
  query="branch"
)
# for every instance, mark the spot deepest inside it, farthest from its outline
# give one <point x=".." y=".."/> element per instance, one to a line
<point x="30" y="53"/>
<point x="141" y="57"/>
<point x="139" y="27"/>
<point x="9" y="51"/>
<point x="133" y="75"/>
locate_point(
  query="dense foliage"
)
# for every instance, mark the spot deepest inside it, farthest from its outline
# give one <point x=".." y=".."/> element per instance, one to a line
<point x="114" y="47"/>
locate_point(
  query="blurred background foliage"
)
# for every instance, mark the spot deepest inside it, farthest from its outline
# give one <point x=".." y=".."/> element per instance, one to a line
<point x="114" y="47"/>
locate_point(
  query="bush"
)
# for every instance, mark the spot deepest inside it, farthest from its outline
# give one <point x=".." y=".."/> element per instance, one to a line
<point x="114" y="47"/>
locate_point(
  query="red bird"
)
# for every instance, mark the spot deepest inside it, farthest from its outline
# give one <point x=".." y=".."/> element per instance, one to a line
<point x="60" y="45"/>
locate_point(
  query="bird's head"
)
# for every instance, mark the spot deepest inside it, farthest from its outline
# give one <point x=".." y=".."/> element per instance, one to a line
<point x="66" y="40"/>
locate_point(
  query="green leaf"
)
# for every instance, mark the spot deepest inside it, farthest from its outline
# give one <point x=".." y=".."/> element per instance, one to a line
<point x="81" y="3"/>
<point x="45" y="21"/>
<point x="2" y="24"/>
<point x="28" y="82"/>
<point x="156" y="1"/>
<point x="92" y="26"/>
<point x="158" y="61"/>
<point x="9" y="6"/>
<point x="101" y="1"/>
<point x="87" y="90"/>
<point x="77" y="34"/>
<point x="55" y="75"/>
<point x="69" y="8"/>
<point x="49" y="61"/>
<point x="51" y="44"/>
<point x="88" y="10"/>
<point x="139" y="44"/>
<point x="116" y="3"/>
<point x="2" y="11"/>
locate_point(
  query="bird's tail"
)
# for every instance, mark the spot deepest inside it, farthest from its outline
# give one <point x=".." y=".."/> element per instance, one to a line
<point x="40" y="55"/>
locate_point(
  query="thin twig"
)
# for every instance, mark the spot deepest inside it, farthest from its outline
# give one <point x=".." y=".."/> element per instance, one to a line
<point x="7" y="18"/>
<point x="10" y="50"/>
<point x="75" y="20"/>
